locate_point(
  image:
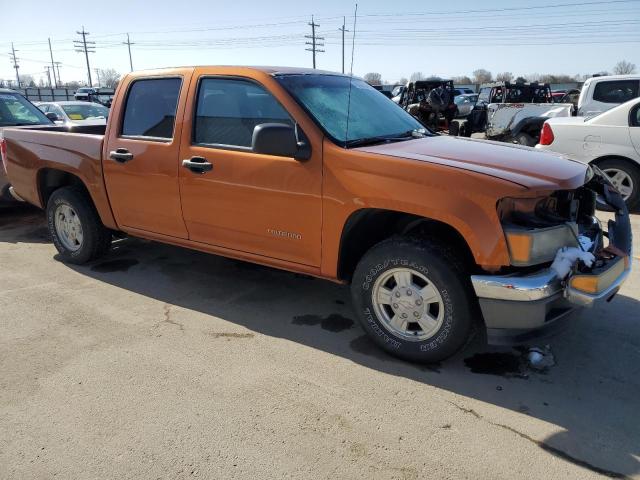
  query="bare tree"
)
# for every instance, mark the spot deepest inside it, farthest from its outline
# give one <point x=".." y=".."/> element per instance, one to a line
<point x="624" y="68"/>
<point x="27" y="81"/>
<point x="402" y="81"/>
<point x="482" y="76"/>
<point x="462" y="80"/>
<point x="373" y="78"/>
<point x="521" y="79"/>
<point x="504" y="77"/>
<point x="109" y="77"/>
<point x="415" y="76"/>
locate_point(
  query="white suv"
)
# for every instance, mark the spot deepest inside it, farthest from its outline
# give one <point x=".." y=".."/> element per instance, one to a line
<point x="600" y="94"/>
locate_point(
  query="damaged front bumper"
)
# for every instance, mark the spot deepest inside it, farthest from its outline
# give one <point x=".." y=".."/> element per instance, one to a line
<point x="520" y="308"/>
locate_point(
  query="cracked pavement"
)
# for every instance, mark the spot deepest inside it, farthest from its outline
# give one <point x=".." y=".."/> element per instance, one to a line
<point x="159" y="362"/>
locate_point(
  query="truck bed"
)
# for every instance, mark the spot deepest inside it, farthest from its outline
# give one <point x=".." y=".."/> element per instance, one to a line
<point x="32" y="151"/>
<point x="501" y="117"/>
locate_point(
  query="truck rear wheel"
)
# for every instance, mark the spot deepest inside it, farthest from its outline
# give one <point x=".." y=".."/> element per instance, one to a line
<point x="414" y="299"/>
<point x="75" y="226"/>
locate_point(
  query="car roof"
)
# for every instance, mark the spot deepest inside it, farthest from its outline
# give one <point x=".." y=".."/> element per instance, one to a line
<point x="71" y="102"/>
<point x="8" y="90"/>
<point x="632" y="76"/>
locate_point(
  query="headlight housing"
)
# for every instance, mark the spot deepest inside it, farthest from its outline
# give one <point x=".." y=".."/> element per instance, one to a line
<point x="533" y="246"/>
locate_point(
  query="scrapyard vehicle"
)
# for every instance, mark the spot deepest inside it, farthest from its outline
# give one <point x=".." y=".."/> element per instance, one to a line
<point x="429" y="101"/>
<point x="437" y="236"/>
<point x="511" y="112"/>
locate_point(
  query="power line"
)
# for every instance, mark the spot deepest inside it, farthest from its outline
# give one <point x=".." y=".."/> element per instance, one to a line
<point x="58" y="69"/>
<point x="314" y="41"/>
<point x="53" y="68"/>
<point x="507" y="9"/>
<point x="343" y="30"/>
<point x="86" y="47"/>
<point x="47" y="70"/>
<point x="128" y="43"/>
<point x="15" y="63"/>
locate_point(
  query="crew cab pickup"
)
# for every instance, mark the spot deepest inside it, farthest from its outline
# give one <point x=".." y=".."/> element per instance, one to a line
<point x="317" y="173"/>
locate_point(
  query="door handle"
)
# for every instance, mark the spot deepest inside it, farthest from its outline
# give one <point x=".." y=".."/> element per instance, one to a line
<point x="121" y="155"/>
<point x="197" y="164"/>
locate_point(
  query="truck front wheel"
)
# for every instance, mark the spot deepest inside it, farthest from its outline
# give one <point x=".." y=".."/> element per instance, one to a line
<point x="75" y="226"/>
<point x="414" y="299"/>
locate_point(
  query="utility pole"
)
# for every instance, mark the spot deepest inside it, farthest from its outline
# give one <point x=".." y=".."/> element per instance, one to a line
<point x="343" y="29"/>
<point x="87" y="48"/>
<point x="314" y="41"/>
<point x="58" y="69"/>
<point x="128" y="43"/>
<point x="48" y="70"/>
<point x="15" y="63"/>
<point x="53" y="68"/>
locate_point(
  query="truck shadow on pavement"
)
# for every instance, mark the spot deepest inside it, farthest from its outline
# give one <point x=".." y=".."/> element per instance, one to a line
<point x="591" y="395"/>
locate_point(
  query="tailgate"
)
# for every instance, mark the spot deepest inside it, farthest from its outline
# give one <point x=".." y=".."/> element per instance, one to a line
<point x="501" y="117"/>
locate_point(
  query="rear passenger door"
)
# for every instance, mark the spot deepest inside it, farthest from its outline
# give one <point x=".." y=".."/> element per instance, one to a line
<point x="142" y="149"/>
<point x="265" y="205"/>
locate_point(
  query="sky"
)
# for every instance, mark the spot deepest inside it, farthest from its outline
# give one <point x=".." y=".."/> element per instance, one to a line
<point x="394" y="38"/>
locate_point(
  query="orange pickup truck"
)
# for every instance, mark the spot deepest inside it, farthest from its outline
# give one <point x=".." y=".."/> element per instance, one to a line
<point x="318" y="173"/>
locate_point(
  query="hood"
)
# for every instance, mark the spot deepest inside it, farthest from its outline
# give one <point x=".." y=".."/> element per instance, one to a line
<point x="524" y="166"/>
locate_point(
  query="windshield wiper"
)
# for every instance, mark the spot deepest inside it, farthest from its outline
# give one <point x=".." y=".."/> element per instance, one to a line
<point x="408" y="135"/>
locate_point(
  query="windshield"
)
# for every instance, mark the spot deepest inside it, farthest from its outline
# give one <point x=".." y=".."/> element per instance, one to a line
<point x="85" y="111"/>
<point x="371" y="114"/>
<point x="16" y="110"/>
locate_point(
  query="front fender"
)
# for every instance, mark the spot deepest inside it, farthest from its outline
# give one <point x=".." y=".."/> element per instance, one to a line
<point x="464" y="200"/>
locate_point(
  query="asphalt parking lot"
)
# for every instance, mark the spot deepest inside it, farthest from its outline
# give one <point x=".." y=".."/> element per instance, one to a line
<point x="159" y="362"/>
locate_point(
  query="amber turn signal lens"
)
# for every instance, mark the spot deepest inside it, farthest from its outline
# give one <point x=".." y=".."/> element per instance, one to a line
<point x="585" y="283"/>
<point x="519" y="246"/>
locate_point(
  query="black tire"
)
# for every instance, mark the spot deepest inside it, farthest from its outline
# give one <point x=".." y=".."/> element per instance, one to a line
<point x="525" y="139"/>
<point x="454" y="128"/>
<point x="445" y="272"/>
<point x="630" y="169"/>
<point x="96" y="239"/>
<point x="465" y="129"/>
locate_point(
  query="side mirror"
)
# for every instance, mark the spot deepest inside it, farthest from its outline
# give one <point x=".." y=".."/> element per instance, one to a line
<point x="52" y="116"/>
<point x="281" y="140"/>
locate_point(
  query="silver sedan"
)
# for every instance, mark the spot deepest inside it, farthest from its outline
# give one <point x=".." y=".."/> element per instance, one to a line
<point x="75" y="113"/>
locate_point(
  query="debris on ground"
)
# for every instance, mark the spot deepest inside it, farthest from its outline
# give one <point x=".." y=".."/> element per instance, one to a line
<point x="541" y="358"/>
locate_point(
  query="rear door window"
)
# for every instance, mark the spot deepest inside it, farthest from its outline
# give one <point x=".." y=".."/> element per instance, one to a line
<point x="150" y="108"/>
<point x="228" y="110"/>
<point x="616" y="91"/>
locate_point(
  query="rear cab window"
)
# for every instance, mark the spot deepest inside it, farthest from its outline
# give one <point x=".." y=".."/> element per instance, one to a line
<point x="616" y="91"/>
<point x="229" y="109"/>
<point x="150" y="109"/>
